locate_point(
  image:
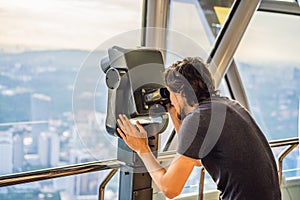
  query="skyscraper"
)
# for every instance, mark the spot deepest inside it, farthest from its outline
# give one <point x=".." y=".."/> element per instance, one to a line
<point x="85" y="184"/>
<point x="18" y="152"/>
<point x="6" y="152"/>
<point x="48" y="149"/>
<point x="40" y="108"/>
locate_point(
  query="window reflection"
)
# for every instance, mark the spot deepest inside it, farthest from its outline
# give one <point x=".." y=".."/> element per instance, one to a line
<point x="216" y="13"/>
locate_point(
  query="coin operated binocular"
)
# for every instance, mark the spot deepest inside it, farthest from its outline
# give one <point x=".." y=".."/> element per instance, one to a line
<point x="136" y="89"/>
<point x="134" y="78"/>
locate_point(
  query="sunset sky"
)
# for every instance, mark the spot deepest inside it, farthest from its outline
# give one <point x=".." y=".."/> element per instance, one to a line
<point x="65" y="24"/>
<point x="84" y="24"/>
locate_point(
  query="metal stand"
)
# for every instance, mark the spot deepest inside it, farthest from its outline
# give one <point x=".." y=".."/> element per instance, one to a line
<point x="135" y="181"/>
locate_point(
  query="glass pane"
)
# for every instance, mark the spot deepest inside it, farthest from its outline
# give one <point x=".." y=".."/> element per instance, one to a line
<point x="180" y="14"/>
<point x="269" y="64"/>
<point x="44" y="45"/>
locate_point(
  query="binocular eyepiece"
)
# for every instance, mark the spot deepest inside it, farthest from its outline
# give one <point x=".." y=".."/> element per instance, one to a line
<point x="154" y="96"/>
<point x="152" y="99"/>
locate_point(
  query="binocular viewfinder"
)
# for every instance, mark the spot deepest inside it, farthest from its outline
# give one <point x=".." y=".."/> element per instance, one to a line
<point x="136" y="88"/>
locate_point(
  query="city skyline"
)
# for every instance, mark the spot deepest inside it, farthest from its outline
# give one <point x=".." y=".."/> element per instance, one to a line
<point x="44" y="45"/>
<point x="41" y="25"/>
<point x="59" y="132"/>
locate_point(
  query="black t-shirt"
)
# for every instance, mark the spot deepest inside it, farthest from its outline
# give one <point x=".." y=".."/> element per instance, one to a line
<point x="232" y="149"/>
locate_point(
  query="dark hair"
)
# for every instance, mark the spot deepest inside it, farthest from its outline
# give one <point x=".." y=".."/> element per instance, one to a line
<point x="191" y="77"/>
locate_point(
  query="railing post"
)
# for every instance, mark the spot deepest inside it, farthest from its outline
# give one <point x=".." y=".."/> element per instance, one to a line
<point x="282" y="155"/>
<point x="104" y="183"/>
<point x="201" y="183"/>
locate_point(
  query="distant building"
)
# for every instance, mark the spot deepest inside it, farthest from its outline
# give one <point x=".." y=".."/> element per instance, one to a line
<point x="66" y="186"/>
<point x="6" y="149"/>
<point x="48" y="150"/>
<point x="32" y="159"/>
<point x="18" y="152"/>
<point x="40" y="108"/>
<point x="85" y="184"/>
<point x="296" y="74"/>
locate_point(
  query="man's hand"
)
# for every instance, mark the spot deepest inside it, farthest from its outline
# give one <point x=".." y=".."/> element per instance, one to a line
<point x="170" y="181"/>
<point x="135" y="138"/>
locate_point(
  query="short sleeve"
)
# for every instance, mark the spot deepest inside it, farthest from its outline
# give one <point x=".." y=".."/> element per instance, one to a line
<point x="191" y="135"/>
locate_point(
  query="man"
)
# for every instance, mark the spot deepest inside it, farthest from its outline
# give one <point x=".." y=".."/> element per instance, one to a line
<point x="213" y="131"/>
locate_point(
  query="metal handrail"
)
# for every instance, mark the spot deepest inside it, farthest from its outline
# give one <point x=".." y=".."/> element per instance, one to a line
<point x="38" y="175"/>
<point x="162" y="157"/>
<point x="50" y="173"/>
<point x="104" y="183"/>
<point x="282" y="155"/>
<point x="284" y="142"/>
<point x="291" y="144"/>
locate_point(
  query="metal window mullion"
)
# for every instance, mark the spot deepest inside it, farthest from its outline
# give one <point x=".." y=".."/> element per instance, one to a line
<point x="230" y="37"/>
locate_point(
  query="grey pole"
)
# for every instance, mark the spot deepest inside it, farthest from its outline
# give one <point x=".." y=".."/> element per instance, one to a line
<point x="230" y="36"/>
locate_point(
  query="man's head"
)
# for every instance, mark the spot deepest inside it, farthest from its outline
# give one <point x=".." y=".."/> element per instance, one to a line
<point x="191" y="80"/>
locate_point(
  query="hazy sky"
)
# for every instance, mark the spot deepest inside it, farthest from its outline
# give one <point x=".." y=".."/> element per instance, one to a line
<point x="272" y="37"/>
<point x="84" y="24"/>
<point x="67" y="24"/>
